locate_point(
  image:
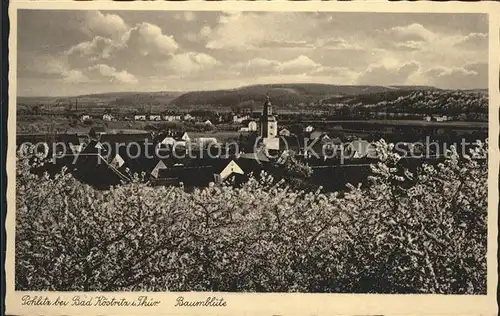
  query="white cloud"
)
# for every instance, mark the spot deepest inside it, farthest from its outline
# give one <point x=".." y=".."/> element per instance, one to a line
<point x="470" y="75"/>
<point x="142" y="40"/>
<point x="112" y="74"/>
<point x="412" y="32"/>
<point x="258" y="30"/>
<point x="389" y="73"/>
<point x="74" y="76"/>
<point x="473" y="41"/>
<point x="409" y="45"/>
<point x="190" y="63"/>
<point x="201" y="35"/>
<point x="57" y="67"/>
<point x="260" y="63"/>
<point x="301" y="64"/>
<point x="49" y="65"/>
<point x="338" y="44"/>
<point x="98" y="48"/>
<point x="104" y="24"/>
<point x="149" y="39"/>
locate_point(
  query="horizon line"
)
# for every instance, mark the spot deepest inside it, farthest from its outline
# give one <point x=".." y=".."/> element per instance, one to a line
<point x="245" y="86"/>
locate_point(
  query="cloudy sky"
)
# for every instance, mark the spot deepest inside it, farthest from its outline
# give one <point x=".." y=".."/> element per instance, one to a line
<point x="78" y="52"/>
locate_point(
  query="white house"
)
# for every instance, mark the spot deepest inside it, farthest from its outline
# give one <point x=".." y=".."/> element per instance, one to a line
<point x="160" y="165"/>
<point x="171" y="118"/>
<point x="206" y="140"/>
<point x="169" y="140"/>
<point x="117" y="161"/>
<point x="107" y="117"/>
<point x="207" y="122"/>
<point x="252" y="126"/>
<point x="188" y="117"/>
<point x="309" y="129"/>
<point x="155" y="118"/>
<point x="179" y="139"/>
<point x="85" y="117"/>
<point x="427" y="118"/>
<point x="441" y="118"/>
<point x="240" y="119"/>
<point x="139" y="117"/>
<point x="222" y="172"/>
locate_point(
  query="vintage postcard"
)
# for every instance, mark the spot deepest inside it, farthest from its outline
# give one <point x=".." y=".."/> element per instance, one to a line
<point x="253" y="158"/>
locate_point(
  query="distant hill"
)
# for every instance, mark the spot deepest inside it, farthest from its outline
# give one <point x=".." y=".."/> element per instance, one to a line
<point x="296" y="96"/>
<point x="101" y="101"/>
<point x="284" y="95"/>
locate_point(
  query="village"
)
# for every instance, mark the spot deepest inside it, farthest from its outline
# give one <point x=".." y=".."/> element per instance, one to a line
<point x="171" y="157"/>
<point x="210" y="119"/>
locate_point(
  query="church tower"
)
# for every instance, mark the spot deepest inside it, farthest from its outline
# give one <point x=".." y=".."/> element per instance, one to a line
<point x="268" y="127"/>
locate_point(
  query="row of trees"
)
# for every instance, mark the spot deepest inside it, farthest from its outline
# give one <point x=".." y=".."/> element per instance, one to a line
<point x="409" y="232"/>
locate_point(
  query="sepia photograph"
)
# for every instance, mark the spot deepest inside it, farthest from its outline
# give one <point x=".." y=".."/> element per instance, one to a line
<point x="250" y="151"/>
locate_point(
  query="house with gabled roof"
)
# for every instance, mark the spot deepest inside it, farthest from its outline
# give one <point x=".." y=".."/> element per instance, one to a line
<point x="360" y="149"/>
<point x="107" y="117"/>
<point x="223" y="168"/>
<point x="171" y="139"/>
<point x="164" y="163"/>
<point x="93" y="165"/>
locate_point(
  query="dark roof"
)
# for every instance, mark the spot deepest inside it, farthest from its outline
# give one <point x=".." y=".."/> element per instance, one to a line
<point x="174" y="172"/>
<point x="256" y="156"/>
<point x="178" y="135"/>
<point x="69" y="139"/>
<point x="98" y="129"/>
<point x="291" y="142"/>
<point x="317" y="134"/>
<point x="252" y="165"/>
<point x="92" y="147"/>
<point x="138" y="158"/>
<point x="124" y="138"/>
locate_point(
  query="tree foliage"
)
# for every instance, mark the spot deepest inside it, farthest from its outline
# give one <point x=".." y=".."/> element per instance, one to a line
<point x="420" y="232"/>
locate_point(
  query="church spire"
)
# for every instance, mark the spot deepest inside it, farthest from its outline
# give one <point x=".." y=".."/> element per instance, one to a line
<point x="269" y="126"/>
<point x="268" y="108"/>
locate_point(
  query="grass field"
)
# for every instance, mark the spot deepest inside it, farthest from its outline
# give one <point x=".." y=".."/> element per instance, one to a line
<point x="221" y="136"/>
<point x="417" y="123"/>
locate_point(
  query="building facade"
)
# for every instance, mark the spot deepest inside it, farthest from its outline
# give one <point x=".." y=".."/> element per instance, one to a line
<point x="268" y="127"/>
